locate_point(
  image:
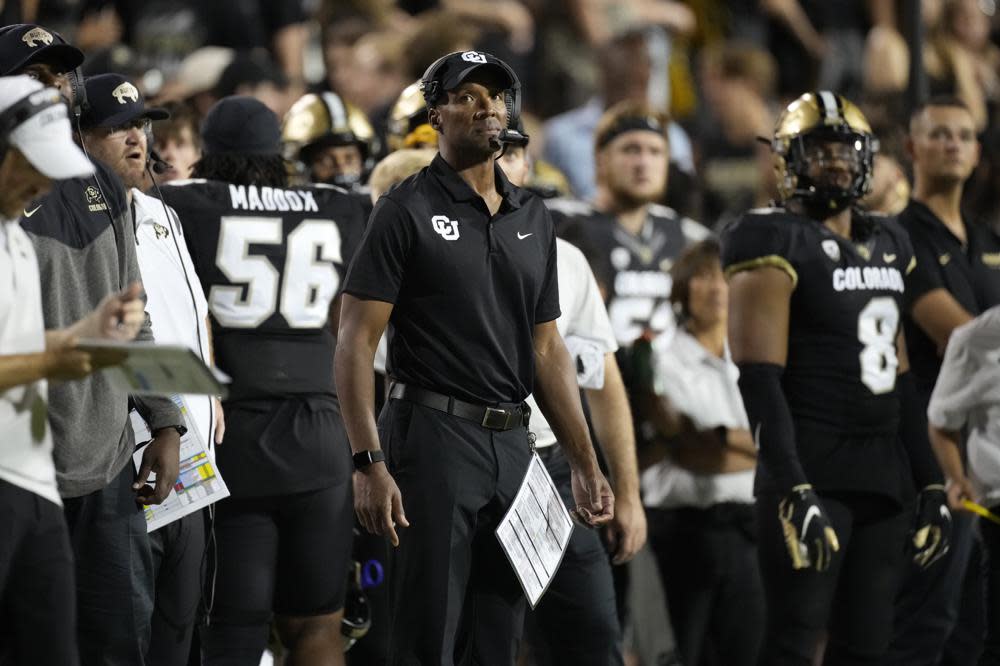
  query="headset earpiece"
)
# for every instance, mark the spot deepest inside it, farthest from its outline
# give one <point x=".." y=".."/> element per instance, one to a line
<point x="79" y="90"/>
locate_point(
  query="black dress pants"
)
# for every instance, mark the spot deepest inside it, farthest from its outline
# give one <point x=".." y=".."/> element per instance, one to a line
<point x="454" y="598"/>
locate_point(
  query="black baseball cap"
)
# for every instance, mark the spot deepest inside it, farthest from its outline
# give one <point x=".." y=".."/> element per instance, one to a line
<point x="113" y="100"/>
<point x="241" y="125"/>
<point x="451" y="70"/>
<point x="24" y="44"/>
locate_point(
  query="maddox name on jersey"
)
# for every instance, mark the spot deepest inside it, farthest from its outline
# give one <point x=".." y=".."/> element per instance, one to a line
<point x="250" y="197"/>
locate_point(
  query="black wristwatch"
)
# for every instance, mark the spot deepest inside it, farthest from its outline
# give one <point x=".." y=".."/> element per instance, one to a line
<point x="181" y="430"/>
<point x="364" y="459"/>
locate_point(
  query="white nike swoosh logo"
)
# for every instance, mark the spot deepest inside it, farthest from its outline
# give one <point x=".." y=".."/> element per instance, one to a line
<point x="28" y="213"/>
<point x="520" y="237"/>
<point x="945" y="513"/>
<point x="811" y="513"/>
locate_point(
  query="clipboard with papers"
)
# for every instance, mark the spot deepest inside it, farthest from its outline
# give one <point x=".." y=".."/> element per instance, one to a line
<point x="147" y="368"/>
<point x="535" y="532"/>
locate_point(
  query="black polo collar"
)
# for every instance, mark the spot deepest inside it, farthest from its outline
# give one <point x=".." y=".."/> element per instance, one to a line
<point x="925" y="216"/>
<point x="459" y="190"/>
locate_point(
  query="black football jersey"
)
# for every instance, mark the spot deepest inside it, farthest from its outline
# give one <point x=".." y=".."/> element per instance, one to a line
<point x="840" y="376"/>
<point x="271" y="261"/>
<point x="632" y="270"/>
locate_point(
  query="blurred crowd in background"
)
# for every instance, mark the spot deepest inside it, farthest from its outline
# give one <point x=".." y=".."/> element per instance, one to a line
<point x="722" y="68"/>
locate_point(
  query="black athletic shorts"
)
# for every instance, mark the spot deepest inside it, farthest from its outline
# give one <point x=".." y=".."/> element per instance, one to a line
<point x="287" y="554"/>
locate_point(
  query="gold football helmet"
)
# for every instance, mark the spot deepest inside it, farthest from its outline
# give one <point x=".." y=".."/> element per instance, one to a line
<point x="408" y="126"/>
<point x="815" y="137"/>
<point x="318" y="121"/>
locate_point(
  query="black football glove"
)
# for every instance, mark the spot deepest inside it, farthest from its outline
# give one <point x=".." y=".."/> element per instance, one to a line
<point x="810" y="539"/>
<point x="933" y="529"/>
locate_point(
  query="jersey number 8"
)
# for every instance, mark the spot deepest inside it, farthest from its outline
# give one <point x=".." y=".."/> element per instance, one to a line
<point x="308" y="283"/>
<point x="878" y="325"/>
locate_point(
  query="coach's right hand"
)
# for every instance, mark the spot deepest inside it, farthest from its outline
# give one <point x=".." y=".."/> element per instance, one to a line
<point x="378" y="502"/>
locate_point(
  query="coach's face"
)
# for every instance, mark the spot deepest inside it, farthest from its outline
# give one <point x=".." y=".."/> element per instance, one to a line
<point x="122" y="148"/>
<point x="943" y="144"/>
<point x="474" y="114"/>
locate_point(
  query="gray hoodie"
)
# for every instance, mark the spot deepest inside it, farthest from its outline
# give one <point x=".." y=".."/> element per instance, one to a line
<point x="81" y="259"/>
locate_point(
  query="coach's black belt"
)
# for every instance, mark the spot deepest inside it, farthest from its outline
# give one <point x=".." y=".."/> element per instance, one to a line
<point x="494" y="418"/>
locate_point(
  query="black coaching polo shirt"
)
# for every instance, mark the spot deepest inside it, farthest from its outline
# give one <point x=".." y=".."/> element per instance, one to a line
<point x="970" y="273"/>
<point x="467" y="288"/>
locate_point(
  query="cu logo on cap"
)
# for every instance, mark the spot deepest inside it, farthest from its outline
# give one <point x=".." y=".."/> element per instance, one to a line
<point x="474" y="56"/>
<point x="447" y="228"/>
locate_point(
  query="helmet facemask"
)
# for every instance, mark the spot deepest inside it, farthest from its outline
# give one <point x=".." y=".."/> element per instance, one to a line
<point x="828" y="169"/>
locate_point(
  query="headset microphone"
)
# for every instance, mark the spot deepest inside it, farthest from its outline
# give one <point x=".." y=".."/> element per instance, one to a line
<point x="159" y="165"/>
<point x="512" y="136"/>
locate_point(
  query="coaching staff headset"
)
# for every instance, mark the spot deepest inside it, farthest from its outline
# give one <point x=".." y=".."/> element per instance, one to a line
<point x="461" y="265"/>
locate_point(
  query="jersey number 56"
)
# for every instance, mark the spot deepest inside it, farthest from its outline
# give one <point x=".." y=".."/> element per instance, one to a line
<point x="307" y="284"/>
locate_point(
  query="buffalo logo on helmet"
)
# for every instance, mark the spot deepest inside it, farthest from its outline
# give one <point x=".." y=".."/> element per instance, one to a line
<point x="36" y="35"/>
<point x="125" y="91"/>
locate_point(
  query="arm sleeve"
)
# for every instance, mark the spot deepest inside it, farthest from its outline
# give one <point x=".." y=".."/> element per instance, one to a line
<point x="377" y="269"/>
<point x="771" y="425"/>
<point x="547" y="306"/>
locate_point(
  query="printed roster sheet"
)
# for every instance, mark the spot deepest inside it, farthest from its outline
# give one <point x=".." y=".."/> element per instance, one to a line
<point x="535" y="532"/>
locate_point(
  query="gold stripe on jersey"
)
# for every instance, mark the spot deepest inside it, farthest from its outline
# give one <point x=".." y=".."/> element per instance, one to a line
<point x="911" y="265"/>
<point x="772" y="260"/>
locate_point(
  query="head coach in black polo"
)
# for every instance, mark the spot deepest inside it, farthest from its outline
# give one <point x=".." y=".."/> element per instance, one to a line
<point x="462" y="267"/>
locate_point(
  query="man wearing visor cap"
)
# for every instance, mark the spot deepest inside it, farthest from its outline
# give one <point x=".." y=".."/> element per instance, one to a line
<point x="84" y="239"/>
<point x="37" y="596"/>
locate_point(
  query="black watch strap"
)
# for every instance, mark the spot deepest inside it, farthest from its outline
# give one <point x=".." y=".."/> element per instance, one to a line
<point x="363" y="459"/>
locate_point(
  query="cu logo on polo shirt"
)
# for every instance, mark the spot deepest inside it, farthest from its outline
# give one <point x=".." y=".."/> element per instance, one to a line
<point x="447" y="228"/>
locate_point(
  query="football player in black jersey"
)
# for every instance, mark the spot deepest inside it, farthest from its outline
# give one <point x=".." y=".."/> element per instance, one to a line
<point x="271" y="260"/>
<point x="817" y="289"/>
<point x="630" y="241"/>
